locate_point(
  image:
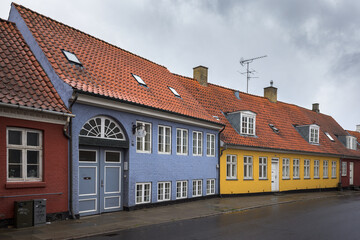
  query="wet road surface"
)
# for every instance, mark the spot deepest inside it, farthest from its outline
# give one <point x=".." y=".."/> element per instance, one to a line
<point x="330" y="218"/>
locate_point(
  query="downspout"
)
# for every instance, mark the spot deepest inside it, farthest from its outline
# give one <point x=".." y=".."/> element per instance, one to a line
<point x="219" y="154"/>
<point x="71" y="159"/>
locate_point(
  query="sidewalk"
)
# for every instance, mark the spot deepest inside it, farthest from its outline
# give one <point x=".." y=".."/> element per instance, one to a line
<point x="93" y="225"/>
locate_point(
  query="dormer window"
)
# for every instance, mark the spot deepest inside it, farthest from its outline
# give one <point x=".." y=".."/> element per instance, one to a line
<point x="351" y="142"/>
<point x="71" y="57"/>
<point x="247" y="123"/>
<point x="314" y="134"/>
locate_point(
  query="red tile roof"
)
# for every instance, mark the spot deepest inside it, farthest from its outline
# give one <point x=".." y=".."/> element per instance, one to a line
<point x="23" y="81"/>
<point x="218" y="100"/>
<point x="107" y="70"/>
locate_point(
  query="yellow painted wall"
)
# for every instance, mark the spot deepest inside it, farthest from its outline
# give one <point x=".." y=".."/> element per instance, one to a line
<point x="255" y="185"/>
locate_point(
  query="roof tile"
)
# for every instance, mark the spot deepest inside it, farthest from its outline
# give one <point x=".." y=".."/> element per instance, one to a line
<point x="20" y="73"/>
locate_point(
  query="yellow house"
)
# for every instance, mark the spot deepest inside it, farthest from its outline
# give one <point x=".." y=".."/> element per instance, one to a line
<point x="268" y="145"/>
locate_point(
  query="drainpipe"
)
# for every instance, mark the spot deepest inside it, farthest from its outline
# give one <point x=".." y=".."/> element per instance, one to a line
<point x="71" y="159"/>
<point x="219" y="154"/>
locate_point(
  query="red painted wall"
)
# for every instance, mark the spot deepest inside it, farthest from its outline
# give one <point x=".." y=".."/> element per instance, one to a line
<point x="55" y="169"/>
<point x="345" y="179"/>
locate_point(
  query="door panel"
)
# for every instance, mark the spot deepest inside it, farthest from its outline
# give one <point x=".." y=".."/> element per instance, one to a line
<point x="100" y="173"/>
<point x="275" y="175"/>
<point x="351" y="173"/>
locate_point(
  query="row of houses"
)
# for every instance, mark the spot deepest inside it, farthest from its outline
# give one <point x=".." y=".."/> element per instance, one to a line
<point x="93" y="128"/>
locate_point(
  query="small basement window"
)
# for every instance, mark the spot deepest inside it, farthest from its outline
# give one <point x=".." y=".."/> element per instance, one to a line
<point x="139" y="80"/>
<point x="329" y="136"/>
<point x="174" y="92"/>
<point x="71" y="57"/>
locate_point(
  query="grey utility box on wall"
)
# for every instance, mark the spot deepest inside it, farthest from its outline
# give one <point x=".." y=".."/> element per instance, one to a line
<point x="24" y="213"/>
<point x="39" y="211"/>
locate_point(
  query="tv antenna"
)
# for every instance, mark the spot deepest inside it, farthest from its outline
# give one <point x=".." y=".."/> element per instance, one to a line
<point x="248" y="71"/>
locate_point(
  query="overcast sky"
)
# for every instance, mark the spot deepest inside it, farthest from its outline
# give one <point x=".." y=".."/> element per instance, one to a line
<point x="313" y="47"/>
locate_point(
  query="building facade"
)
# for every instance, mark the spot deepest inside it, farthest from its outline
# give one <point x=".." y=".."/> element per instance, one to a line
<point x="139" y="137"/>
<point x="33" y="146"/>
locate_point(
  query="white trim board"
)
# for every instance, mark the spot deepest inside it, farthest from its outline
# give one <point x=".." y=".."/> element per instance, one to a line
<point x="125" y="107"/>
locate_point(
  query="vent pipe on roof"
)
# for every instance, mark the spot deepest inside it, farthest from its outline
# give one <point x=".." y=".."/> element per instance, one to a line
<point x="315" y="107"/>
<point x="358" y="128"/>
<point x="201" y="75"/>
<point x="271" y="92"/>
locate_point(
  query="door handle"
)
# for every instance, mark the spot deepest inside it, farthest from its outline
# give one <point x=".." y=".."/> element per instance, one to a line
<point x="102" y="183"/>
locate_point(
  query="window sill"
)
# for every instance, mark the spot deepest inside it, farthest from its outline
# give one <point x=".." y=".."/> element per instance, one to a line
<point x="232" y="179"/>
<point x="263" y="179"/>
<point x="11" y="185"/>
<point x="248" y="179"/>
<point x="307" y="178"/>
<point x="316" y="177"/>
<point x="325" y="178"/>
<point x="287" y="178"/>
<point x="296" y="178"/>
<point x="333" y="177"/>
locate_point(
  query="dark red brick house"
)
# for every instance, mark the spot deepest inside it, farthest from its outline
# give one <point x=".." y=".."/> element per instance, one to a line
<point x="350" y="170"/>
<point x="33" y="124"/>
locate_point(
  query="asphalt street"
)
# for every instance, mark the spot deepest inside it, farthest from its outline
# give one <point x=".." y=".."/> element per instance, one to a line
<point x="330" y="218"/>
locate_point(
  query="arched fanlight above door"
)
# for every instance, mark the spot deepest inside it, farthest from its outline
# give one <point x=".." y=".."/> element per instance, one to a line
<point x="102" y="127"/>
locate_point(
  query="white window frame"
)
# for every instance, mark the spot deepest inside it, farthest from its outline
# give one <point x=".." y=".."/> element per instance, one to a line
<point x="141" y="142"/>
<point x="231" y="167"/>
<point x="197" y="188"/>
<point x="262" y="167"/>
<point x="24" y="148"/>
<point x="325" y="169"/>
<point x="316" y="169"/>
<point x="197" y="143"/>
<point x="210" y="145"/>
<point x="164" y="140"/>
<point x="248" y="167"/>
<point x="210" y="186"/>
<point x="351" y="142"/>
<point x="343" y="169"/>
<point x="184" y="141"/>
<point x="296" y="168"/>
<point x="142" y="193"/>
<point x="181" y="189"/>
<point x="314" y="134"/>
<point x="333" y="169"/>
<point x="164" y="191"/>
<point x="306" y="169"/>
<point x="246" y="127"/>
<point x="285" y="168"/>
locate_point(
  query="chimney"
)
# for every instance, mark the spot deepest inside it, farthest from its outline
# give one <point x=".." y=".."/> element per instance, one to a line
<point x="271" y="92"/>
<point x="358" y="128"/>
<point x="315" y="107"/>
<point x="201" y="75"/>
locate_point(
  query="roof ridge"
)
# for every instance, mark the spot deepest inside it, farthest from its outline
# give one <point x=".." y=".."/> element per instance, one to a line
<point x="87" y="34"/>
<point x="253" y="95"/>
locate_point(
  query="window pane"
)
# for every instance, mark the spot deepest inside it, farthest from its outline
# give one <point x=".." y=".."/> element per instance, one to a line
<point x="87" y="156"/>
<point x="112" y="157"/>
<point x="15" y="171"/>
<point x="15" y="137"/>
<point x="32" y="157"/>
<point x="33" y="171"/>
<point x="32" y="139"/>
<point x="15" y="156"/>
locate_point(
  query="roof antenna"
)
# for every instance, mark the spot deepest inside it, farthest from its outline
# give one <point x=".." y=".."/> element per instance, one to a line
<point x="248" y="72"/>
<point x="271" y="83"/>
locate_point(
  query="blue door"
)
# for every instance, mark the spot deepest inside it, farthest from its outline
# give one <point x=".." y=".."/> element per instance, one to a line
<point x="100" y="185"/>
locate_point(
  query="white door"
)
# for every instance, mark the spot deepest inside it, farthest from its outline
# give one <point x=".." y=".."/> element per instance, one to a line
<point x="275" y="175"/>
<point x="351" y="173"/>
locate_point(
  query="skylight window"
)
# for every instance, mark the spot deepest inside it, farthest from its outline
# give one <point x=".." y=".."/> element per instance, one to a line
<point x="329" y="136"/>
<point x="276" y="130"/>
<point x="217" y="118"/>
<point x="71" y="57"/>
<point x="139" y="80"/>
<point x="174" y="92"/>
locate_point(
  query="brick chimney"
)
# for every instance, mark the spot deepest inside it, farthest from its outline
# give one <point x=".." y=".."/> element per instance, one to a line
<point x="271" y="93"/>
<point x="315" y="107"/>
<point x="201" y="75"/>
<point x="358" y="128"/>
